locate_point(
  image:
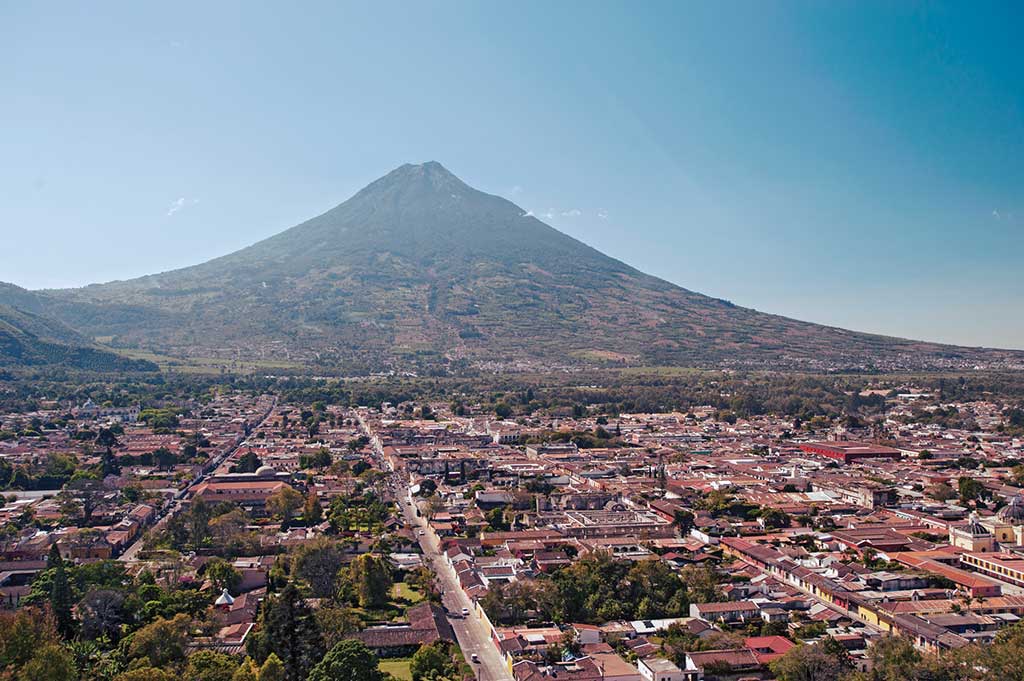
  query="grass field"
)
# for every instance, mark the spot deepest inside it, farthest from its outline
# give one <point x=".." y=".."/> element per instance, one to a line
<point x="403" y="592"/>
<point x="397" y="667"/>
<point x="205" y="365"/>
<point x="665" y="371"/>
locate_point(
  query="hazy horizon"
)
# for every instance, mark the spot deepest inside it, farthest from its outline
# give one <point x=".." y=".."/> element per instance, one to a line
<point x="850" y="165"/>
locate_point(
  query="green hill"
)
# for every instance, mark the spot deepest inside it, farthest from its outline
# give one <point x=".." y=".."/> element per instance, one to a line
<point x="27" y="339"/>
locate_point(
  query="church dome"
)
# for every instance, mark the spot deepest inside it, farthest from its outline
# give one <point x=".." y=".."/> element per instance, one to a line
<point x="975" y="528"/>
<point x="1013" y="512"/>
<point x="266" y="470"/>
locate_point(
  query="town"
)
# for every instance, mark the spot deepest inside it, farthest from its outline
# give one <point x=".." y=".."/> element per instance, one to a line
<point x="247" y="534"/>
<point x="491" y="341"/>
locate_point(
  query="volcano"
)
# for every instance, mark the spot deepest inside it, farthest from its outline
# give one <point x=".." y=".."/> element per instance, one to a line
<point x="420" y="270"/>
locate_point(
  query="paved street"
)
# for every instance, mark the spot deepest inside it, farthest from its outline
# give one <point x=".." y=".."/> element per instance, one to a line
<point x="472" y="634"/>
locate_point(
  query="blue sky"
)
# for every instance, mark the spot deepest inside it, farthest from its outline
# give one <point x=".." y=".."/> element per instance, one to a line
<point x="856" y="164"/>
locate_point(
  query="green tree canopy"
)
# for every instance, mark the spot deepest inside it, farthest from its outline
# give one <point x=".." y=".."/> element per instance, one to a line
<point x="370" y="576"/>
<point x="433" y="662"/>
<point x="290" y="630"/>
<point x="349" y="660"/>
<point x="162" y="643"/>
<point x="809" y="663"/>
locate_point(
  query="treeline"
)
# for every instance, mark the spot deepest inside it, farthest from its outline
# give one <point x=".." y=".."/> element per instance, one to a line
<point x="894" y="658"/>
<point x="609" y="392"/>
<point x="598" y="589"/>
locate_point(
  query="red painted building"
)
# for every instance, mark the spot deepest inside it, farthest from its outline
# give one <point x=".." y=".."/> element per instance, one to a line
<point x="848" y="452"/>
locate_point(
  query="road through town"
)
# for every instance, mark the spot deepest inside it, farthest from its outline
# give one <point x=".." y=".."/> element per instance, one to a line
<point x="473" y="634"/>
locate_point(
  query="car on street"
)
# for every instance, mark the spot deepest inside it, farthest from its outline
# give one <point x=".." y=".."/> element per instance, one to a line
<point x="475" y="658"/>
<point x="465" y="612"/>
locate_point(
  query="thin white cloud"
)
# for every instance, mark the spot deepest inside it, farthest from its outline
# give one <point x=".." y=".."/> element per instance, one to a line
<point x="602" y="214"/>
<point x="179" y="203"/>
<point x="516" y="190"/>
<point x="996" y="215"/>
<point x="572" y="213"/>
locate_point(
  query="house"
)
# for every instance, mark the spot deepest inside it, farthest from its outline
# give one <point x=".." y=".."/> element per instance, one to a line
<point x="713" y="664"/>
<point x="768" y="648"/>
<point x="739" y="611"/>
<point x="660" y="669"/>
<point x="648" y="627"/>
<point x="582" y="669"/>
<point x="587" y="633"/>
<point x="84" y="547"/>
<point x="614" y="668"/>
<point x="249" y="493"/>
<point x="455" y="554"/>
<point x="426" y="623"/>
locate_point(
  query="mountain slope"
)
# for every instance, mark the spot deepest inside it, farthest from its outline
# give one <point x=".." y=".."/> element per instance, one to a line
<point x="419" y="268"/>
<point x="27" y="339"/>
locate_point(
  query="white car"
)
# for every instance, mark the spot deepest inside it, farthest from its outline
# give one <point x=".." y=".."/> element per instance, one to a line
<point x="465" y="612"/>
<point x="475" y="658"/>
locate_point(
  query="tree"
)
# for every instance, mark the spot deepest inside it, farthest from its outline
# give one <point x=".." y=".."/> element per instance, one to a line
<point x="102" y="612"/>
<point x="432" y="662"/>
<point x="701" y="584"/>
<point x="198" y="523"/>
<point x="1003" y="658"/>
<point x="317" y="563"/>
<point x="247" y="671"/>
<point x="52" y="662"/>
<point x="894" y="658"/>
<point x="109" y="464"/>
<point x="350" y="660"/>
<point x="228" y="529"/>
<point x="496" y="519"/>
<point x="81" y="497"/>
<point x="61" y="599"/>
<point x="656" y="589"/>
<point x="774" y="518"/>
<point x="165" y="459"/>
<point x="808" y="663"/>
<point x="146" y="674"/>
<point x="940" y="491"/>
<point x="163" y="642"/>
<point x="223" y="574"/>
<point x="209" y="665"/>
<point x="336" y="624"/>
<point x="247" y="463"/>
<point x="107" y="438"/>
<point x="312" y="513"/>
<point x="1000" y="659"/>
<point x="970" y="489"/>
<point x="23" y="633"/>
<point x="715" y="502"/>
<point x="370" y="575"/>
<point x="291" y="631"/>
<point x="284" y="502"/>
<point x="272" y="669"/>
<point x="683" y="520"/>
